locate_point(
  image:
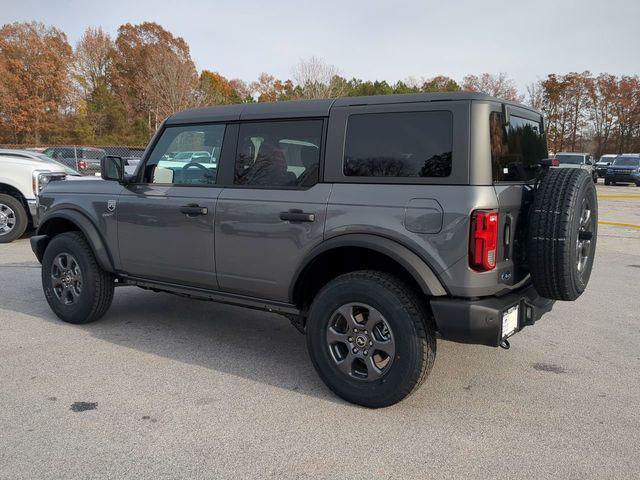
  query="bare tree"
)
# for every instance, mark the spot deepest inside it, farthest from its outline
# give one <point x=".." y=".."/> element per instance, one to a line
<point x="93" y="58"/>
<point x="315" y="79"/>
<point x="535" y="95"/>
<point x="171" y="83"/>
<point x="497" y="85"/>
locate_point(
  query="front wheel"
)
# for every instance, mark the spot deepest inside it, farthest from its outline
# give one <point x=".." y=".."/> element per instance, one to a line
<point x="370" y="338"/>
<point x="76" y="288"/>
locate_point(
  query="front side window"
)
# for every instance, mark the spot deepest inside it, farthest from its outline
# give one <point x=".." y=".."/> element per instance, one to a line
<point x="516" y="148"/>
<point x="186" y="155"/>
<point x="403" y="144"/>
<point x="278" y="154"/>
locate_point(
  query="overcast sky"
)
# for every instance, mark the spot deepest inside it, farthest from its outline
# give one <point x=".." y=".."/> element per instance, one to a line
<point x="374" y="39"/>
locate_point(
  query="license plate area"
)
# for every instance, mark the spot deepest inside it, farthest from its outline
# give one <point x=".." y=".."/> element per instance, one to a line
<point x="510" y="321"/>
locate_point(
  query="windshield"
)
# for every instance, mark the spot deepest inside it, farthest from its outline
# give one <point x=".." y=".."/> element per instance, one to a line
<point x="67" y="170"/>
<point x="570" y="159"/>
<point x="183" y="156"/>
<point x="627" y="161"/>
<point x="607" y="158"/>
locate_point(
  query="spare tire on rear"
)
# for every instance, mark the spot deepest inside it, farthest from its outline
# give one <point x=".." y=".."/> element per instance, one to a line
<point x="563" y="228"/>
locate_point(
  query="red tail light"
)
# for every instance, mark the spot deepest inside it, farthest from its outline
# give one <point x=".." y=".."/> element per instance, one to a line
<point x="483" y="244"/>
<point x="82" y="165"/>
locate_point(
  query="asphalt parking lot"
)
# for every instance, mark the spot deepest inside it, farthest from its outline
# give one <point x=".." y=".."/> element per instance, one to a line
<point x="164" y="387"/>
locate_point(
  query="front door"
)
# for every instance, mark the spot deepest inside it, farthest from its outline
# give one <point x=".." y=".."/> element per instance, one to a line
<point x="166" y="219"/>
<point x="272" y="213"/>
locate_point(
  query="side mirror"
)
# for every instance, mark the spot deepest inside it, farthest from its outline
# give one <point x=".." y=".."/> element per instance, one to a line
<point x="112" y="168"/>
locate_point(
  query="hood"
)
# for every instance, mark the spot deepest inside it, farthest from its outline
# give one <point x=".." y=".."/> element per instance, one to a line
<point x="32" y="163"/>
<point x="623" y="167"/>
<point x="76" y="178"/>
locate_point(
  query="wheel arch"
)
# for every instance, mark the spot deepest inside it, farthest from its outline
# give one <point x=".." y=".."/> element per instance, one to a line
<point x="67" y="220"/>
<point x="8" y="189"/>
<point x="350" y="252"/>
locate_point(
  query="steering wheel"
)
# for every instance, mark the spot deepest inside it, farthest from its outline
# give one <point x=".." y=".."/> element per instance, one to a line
<point x="207" y="176"/>
<point x="196" y="164"/>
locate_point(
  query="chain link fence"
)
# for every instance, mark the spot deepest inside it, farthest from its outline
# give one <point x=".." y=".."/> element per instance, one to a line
<point x="83" y="158"/>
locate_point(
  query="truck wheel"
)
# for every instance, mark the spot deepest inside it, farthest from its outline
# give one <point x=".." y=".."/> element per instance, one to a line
<point x="563" y="231"/>
<point x="13" y="218"/>
<point x="370" y="338"/>
<point x="607" y="182"/>
<point x="76" y="288"/>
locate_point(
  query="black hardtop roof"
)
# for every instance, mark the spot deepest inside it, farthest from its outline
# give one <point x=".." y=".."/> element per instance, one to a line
<point x="315" y="108"/>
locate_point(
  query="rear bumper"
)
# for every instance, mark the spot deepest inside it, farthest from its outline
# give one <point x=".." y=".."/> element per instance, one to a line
<point x="479" y="321"/>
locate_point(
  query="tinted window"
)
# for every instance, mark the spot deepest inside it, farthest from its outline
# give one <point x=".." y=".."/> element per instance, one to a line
<point x="60" y="152"/>
<point x="516" y="149"/>
<point x="567" y="159"/>
<point x="627" y="161"/>
<point x="186" y="156"/>
<point x="408" y="144"/>
<point x="278" y="154"/>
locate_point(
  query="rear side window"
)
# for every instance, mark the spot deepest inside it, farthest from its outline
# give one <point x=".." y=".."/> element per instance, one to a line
<point x="404" y="144"/>
<point x="278" y="154"/>
<point x="516" y="148"/>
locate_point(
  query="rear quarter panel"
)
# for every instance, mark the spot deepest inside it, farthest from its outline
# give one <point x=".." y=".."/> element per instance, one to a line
<point x="383" y="210"/>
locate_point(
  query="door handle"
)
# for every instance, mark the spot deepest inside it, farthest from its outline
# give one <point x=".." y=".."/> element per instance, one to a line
<point x="193" y="209"/>
<point x="296" y="215"/>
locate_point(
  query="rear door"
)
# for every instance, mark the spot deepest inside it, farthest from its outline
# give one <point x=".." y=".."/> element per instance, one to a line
<point x="272" y="210"/>
<point x="517" y="146"/>
<point x="166" y="219"/>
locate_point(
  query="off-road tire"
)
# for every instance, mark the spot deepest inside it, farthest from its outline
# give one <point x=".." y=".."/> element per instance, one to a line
<point x="555" y="233"/>
<point x="412" y="326"/>
<point x="97" y="285"/>
<point x="21" y="217"/>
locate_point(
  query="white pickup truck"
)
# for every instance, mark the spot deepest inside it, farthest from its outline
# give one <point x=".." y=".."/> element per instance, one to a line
<point x="23" y="174"/>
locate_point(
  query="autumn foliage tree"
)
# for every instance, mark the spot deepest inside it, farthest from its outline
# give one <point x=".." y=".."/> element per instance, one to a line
<point x="145" y="56"/>
<point x="35" y="83"/>
<point x="117" y="91"/>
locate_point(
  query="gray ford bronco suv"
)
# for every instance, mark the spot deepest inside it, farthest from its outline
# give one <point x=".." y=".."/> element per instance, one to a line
<point x="375" y="224"/>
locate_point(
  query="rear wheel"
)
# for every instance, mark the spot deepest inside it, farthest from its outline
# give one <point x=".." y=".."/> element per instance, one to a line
<point x="607" y="181"/>
<point x="13" y="218"/>
<point x="76" y="288"/>
<point x="370" y="338"/>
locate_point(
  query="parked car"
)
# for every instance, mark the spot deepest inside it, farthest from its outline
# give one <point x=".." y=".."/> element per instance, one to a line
<point x="372" y="223"/>
<point x="80" y="158"/>
<point x="603" y="163"/>
<point x="23" y="174"/>
<point x="578" y="160"/>
<point x="624" y="169"/>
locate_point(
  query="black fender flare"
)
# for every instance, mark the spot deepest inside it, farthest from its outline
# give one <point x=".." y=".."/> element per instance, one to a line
<point x="412" y="263"/>
<point x="40" y="241"/>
